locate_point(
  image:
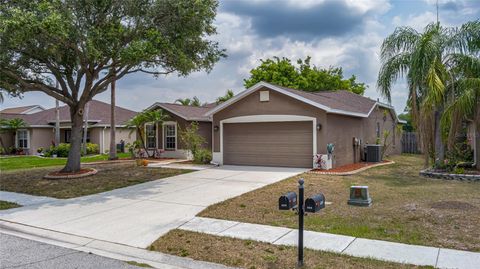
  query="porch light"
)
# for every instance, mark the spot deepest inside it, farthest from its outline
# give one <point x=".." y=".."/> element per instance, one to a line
<point x="215" y="128"/>
<point x="319" y="127"/>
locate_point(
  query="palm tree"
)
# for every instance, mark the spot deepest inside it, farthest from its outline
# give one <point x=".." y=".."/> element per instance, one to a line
<point x="195" y="102"/>
<point x="189" y="102"/>
<point x="138" y="122"/>
<point x="463" y="100"/>
<point x="184" y="101"/>
<point x="228" y="95"/>
<point x="422" y="58"/>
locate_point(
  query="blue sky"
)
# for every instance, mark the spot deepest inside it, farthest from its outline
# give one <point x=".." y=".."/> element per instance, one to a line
<point x="346" y="33"/>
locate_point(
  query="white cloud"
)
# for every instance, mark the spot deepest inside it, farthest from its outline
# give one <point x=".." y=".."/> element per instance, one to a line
<point x="417" y="21"/>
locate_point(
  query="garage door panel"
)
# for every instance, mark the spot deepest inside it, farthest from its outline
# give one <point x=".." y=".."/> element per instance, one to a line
<point x="270" y="144"/>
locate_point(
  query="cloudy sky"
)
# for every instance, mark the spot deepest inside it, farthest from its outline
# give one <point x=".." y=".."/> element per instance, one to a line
<point x="346" y="33"/>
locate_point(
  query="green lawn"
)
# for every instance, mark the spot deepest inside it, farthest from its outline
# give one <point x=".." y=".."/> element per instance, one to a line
<point x="27" y="162"/>
<point x="406" y="207"/>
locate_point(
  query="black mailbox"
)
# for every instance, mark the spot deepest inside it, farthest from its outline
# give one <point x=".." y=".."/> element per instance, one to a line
<point x="287" y="201"/>
<point x="315" y="203"/>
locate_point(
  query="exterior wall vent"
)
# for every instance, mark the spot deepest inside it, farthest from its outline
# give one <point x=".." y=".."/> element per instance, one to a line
<point x="264" y="96"/>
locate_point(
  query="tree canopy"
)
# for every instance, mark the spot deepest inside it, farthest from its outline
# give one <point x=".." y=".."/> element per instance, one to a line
<point x="87" y="44"/>
<point x="303" y="76"/>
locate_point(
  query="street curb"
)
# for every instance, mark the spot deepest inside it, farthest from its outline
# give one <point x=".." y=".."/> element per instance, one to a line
<point x="350" y="172"/>
<point x="104" y="248"/>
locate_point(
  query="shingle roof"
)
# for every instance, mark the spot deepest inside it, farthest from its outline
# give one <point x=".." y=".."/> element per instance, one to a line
<point x="186" y="112"/>
<point x="99" y="112"/>
<point x="341" y="100"/>
<point x="17" y="110"/>
<point x="337" y="102"/>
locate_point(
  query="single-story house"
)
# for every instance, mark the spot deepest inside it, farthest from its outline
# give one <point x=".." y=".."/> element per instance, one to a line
<point x="166" y="136"/>
<point x="22" y="110"/>
<point x="40" y="132"/>
<point x="269" y="125"/>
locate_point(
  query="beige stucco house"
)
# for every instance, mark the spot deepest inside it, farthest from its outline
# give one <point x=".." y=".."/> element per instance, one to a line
<point x="166" y="136"/>
<point x="269" y="125"/>
<point x="40" y="132"/>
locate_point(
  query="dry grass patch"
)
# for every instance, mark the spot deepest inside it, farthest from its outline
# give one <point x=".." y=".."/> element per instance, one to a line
<point x="109" y="177"/>
<point x="406" y="208"/>
<point x="252" y="254"/>
<point x="4" y="205"/>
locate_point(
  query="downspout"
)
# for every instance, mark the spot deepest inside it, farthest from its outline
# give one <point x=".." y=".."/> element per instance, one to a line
<point x="103" y="139"/>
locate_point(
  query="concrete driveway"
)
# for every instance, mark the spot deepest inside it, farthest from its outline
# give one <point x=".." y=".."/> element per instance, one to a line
<point x="138" y="215"/>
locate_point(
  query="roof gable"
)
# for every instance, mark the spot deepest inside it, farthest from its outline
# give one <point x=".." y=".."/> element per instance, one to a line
<point x="189" y="113"/>
<point x="23" y="109"/>
<point x="99" y="113"/>
<point x="336" y="102"/>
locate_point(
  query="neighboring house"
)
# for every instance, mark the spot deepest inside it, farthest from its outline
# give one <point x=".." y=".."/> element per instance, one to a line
<point x="41" y="127"/>
<point x="277" y="126"/>
<point x="22" y="110"/>
<point x="166" y="137"/>
<point x="269" y="125"/>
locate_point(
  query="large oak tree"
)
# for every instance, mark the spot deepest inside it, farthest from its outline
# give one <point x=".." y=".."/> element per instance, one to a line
<point x="85" y="45"/>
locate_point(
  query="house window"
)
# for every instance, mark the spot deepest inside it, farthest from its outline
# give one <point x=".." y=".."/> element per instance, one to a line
<point x="151" y="134"/>
<point x="170" y="131"/>
<point x="67" y="135"/>
<point x="22" y="139"/>
<point x="378" y="130"/>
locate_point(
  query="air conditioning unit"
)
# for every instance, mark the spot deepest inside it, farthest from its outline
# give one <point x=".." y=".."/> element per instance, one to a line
<point x="373" y="153"/>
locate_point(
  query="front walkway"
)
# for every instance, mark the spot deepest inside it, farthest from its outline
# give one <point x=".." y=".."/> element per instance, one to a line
<point x="24" y="199"/>
<point x="359" y="247"/>
<point x="137" y="215"/>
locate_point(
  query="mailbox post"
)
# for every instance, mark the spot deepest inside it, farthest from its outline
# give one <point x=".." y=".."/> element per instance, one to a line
<point x="313" y="204"/>
<point x="301" y="214"/>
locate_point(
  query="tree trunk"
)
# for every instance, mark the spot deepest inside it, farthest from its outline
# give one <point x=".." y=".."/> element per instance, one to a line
<point x="113" y="146"/>
<point x="476" y="143"/>
<point x="439" y="145"/>
<point x="73" y="161"/>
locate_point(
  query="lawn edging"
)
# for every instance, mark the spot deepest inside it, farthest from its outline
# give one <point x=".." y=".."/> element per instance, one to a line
<point x="59" y="175"/>
<point x="319" y="172"/>
<point x="449" y="176"/>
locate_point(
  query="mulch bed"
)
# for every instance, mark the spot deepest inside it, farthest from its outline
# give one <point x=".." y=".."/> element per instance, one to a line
<point x="350" y="168"/>
<point x="84" y="172"/>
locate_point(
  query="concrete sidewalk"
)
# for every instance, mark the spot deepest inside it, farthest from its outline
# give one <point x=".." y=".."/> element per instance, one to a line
<point x="358" y="247"/>
<point x="24" y="199"/>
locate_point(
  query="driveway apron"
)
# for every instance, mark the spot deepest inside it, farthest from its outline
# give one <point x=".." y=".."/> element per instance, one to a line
<point x="138" y="215"/>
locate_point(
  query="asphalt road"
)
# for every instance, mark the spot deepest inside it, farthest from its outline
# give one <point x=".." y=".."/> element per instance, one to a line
<point x="16" y="252"/>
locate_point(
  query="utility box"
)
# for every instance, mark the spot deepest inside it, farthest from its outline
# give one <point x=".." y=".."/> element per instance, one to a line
<point x="373" y="153"/>
<point x="287" y="201"/>
<point x="314" y="203"/>
<point x="359" y="196"/>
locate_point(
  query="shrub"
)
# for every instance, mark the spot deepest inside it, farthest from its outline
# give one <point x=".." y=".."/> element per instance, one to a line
<point x="92" y="148"/>
<point x="459" y="170"/>
<point x="191" y="139"/>
<point x="40" y="150"/>
<point x="62" y="150"/>
<point x="203" y="156"/>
